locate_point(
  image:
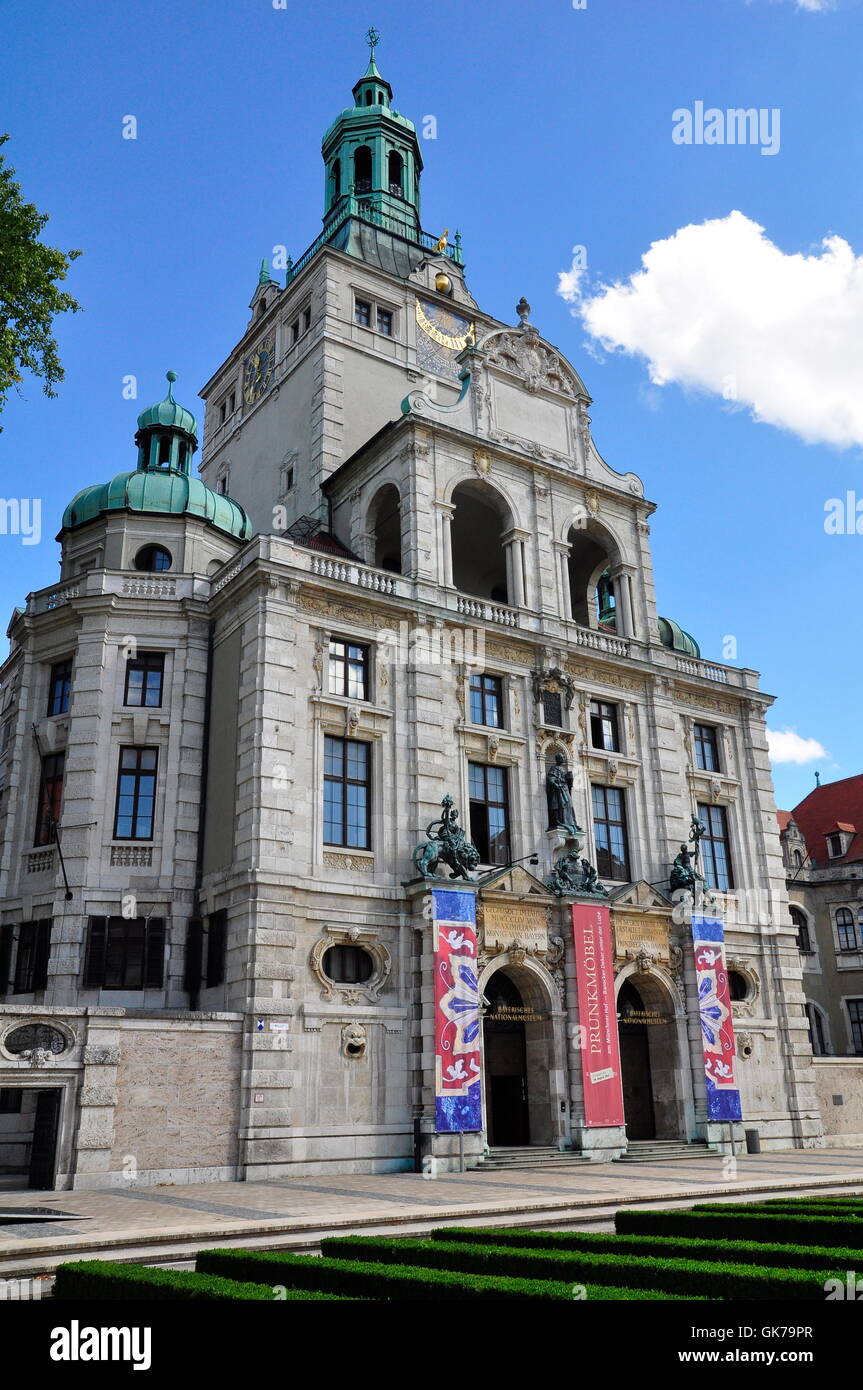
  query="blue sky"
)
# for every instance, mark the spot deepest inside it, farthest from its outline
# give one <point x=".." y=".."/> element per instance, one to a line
<point x="554" y="130"/>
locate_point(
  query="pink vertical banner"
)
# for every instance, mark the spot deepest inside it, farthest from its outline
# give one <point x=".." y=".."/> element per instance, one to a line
<point x="597" y="1015"/>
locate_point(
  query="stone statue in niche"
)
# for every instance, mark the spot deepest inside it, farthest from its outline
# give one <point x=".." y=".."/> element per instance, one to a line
<point x="558" y="791"/>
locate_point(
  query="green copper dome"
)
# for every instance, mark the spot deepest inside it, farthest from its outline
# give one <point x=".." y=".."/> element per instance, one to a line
<point x="162" y="484"/>
<point x="168" y="412"/>
<point x="671" y="635"/>
<point x="164" y="491"/>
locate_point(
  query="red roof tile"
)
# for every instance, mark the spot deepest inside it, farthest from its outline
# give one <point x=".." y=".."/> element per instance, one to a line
<point x="783" y="818"/>
<point x="836" y="805"/>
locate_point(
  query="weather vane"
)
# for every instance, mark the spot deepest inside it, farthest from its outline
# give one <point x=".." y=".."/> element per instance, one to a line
<point x="373" y="38"/>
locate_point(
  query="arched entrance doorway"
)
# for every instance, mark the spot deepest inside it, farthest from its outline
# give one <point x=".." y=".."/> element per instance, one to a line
<point x="653" y="1102"/>
<point x="518" y="1048"/>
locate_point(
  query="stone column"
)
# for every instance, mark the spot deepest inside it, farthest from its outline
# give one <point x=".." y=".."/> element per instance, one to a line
<point x="446" y="511"/>
<point x="562" y="550"/>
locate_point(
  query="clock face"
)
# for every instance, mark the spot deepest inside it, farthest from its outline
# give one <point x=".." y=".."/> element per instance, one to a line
<point x="258" y="371"/>
<point x="441" y="335"/>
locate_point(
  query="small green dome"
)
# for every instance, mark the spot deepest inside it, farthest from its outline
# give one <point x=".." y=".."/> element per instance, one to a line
<point x="159" y="491"/>
<point x="168" y="412"/>
<point x="162" y="484"/>
<point x="672" y="635"/>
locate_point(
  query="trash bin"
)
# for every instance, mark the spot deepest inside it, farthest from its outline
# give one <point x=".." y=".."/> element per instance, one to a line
<point x="753" y="1141"/>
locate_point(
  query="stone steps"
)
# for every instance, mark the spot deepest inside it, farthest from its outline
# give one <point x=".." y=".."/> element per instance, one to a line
<point x="665" y="1151"/>
<point x="528" y="1156"/>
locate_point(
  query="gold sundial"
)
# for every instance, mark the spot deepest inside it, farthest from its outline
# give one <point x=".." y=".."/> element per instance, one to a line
<point x="444" y="326"/>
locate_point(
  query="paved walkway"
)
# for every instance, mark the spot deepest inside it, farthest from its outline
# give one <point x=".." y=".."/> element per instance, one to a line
<point x="170" y="1223"/>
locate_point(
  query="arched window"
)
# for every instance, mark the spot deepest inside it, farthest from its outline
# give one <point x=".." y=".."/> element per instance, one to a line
<point x="164" y="455"/>
<point x="337" y="179"/>
<point x="804" y="940"/>
<point x="363" y="170"/>
<point x="845" y="929"/>
<point x="478" y="558"/>
<point x="153" y="557"/>
<point x="370" y="98"/>
<point x="385" y="527"/>
<point x="395" y="168"/>
<point x="817" y="1031"/>
<point x="798" y="859"/>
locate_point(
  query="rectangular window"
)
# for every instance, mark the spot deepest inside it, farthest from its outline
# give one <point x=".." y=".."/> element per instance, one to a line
<point x="715" y="856"/>
<point x="60" y="687"/>
<point x="349" y="669"/>
<point x="217" y="941"/>
<point x="845" y="930"/>
<point x="232" y="403"/>
<point x="552" y="708"/>
<point x="610" y="833"/>
<point x="489" y="812"/>
<point x="855" y="1017"/>
<point x="51" y="773"/>
<point x="604" y="731"/>
<point x="295" y="331"/>
<point x="136" y="794"/>
<point x="144" y="677"/>
<point x="307" y="320"/>
<point x="385" y="322"/>
<point x="223" y="410"/>
<point x="486" y="700"/>
<point x="31" y="962"/>
<point x="706" y="748"/>
<point x="10" y="1100"/>
<point x="347" y="793"/>
<point x="363" y="313"/>
<point x="125" y="953"/>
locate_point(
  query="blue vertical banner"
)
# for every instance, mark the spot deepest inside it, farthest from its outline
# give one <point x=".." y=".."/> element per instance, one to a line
<point x="458" y="1068"/>
<point x="717" y="1025"/>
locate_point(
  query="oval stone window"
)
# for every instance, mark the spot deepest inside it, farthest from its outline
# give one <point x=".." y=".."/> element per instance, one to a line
<point x="347" y="965"/>
<point x="738" y="986"/>
<point x="31" y="1035"/>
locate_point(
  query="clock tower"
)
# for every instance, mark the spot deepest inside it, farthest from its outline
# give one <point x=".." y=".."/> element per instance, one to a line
<point x="372" y="309"/>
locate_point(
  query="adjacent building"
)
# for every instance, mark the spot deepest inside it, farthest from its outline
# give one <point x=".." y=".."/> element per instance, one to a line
<point x="405" y="573"/>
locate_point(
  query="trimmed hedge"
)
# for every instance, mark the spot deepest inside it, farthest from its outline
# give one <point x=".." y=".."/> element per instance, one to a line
<point x="670" y="1247"/>
<point x="845" y="1209"/>
<point x="378" y="1280"/>
<point x="85" y="1280"/>
<point x="686" y="1278"/>
<point x="785" y="1228"/>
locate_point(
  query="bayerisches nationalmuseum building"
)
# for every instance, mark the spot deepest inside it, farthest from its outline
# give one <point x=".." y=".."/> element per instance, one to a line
<point x="358" y="808"/>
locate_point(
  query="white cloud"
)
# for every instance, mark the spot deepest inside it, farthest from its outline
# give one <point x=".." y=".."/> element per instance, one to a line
<point x="719" y="307"/>
<point x="786" y="746"/>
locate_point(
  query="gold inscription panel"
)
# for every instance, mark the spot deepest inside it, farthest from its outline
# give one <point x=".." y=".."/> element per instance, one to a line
<point x="506" y="923"/>
<point x="633" y="934"/>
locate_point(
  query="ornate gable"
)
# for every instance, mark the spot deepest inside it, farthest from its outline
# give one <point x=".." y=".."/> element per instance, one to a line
<point x="523" y="353"/>
<point x="515" y="880"/>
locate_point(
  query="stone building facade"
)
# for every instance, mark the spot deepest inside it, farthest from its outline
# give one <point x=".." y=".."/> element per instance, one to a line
<point x="821" y="846"/>
<point x="231" y="721"/>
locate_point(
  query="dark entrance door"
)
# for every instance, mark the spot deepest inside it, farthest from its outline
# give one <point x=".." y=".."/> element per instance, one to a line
<point x="635" y="1066"/>
<point x="505" y="1065"/>
<point x="43" y="1151"/>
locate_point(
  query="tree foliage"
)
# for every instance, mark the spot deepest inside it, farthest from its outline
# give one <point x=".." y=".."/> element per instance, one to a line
<point x="30" y="297"/>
